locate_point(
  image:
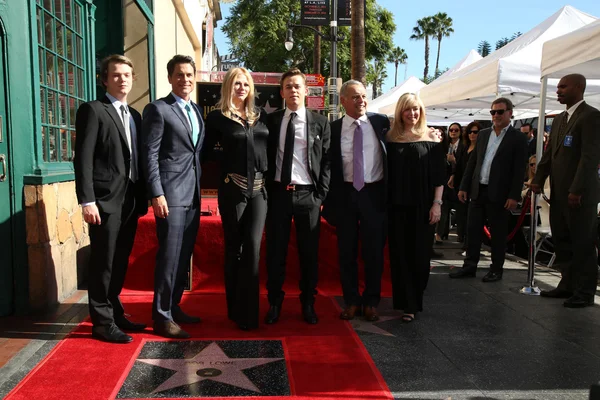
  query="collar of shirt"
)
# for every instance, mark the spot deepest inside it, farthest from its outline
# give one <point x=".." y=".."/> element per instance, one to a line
<point x="571" y="110"/>
<point x="502" y="132"/>
<point x="300" y="114"/>
<point x="181" y="102"/>
<point x="117" y="103"/>
<point x="348" y="120"/>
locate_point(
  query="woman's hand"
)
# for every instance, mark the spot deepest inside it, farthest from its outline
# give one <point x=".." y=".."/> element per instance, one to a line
<point x="451" y="182"/>
<point x="435" y="212"/>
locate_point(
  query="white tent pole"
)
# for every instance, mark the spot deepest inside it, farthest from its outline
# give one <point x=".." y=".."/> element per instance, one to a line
<point x="530" y="287"/>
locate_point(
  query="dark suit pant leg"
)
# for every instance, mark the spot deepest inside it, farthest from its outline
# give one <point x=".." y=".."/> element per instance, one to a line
<point x="307" y="218"/>
<point x="583" y="225"/>
<point x="561" y="239"/>
<point x="192" y="224"/>
<point x="279" y="222"/>
<point x="498" y="218"/>
<point x="347" y="241"/>
<point x="461" y="219"/>
<point x="475" y="222"/>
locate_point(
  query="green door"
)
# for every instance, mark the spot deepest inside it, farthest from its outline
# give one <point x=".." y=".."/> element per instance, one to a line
<point x="6" y="238"/>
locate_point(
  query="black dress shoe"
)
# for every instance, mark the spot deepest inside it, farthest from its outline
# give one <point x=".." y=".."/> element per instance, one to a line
<point x="437" y="254"/>
<point x="182" y="318"/>
<point x="110" y="333"/>
<point x="462" y="273"/>
<point x="127" y="325"/>
<point x="273" y="314"/>
<point x="309" y="314"/>
<point x="169" y="329"/>
<point x="577" y="301"/>
<point x="556" y="293"/>
<point x="492" y="277"/>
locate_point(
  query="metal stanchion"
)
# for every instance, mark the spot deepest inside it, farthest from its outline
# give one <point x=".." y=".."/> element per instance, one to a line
<point x="529" y="288"/>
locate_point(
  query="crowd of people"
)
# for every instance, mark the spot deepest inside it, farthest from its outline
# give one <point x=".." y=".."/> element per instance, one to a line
<point x="374" y="181"/>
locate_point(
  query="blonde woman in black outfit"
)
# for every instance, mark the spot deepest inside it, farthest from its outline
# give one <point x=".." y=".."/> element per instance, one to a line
<point x="237" y="127"/>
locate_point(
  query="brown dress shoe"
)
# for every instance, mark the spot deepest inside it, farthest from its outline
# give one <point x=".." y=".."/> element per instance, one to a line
<point x="349" y="312"/>
<point x="371" y="314"/>
<point x="170" y="329"/>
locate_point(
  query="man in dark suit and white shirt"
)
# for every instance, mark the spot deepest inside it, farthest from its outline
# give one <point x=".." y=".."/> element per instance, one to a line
<point x="298" y="181"/>
<point x="110" y="189"/>
<point x="173" y="135"/>
<point x="571" y="161"/>
<point x="493" y="179"/>
<point x="357" y="201"/>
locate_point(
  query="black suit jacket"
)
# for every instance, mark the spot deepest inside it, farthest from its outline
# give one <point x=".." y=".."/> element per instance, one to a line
<point x="102" y="157"/>
<point x="381" y="125"/>
<point x="573" y="169"/>
<point x="318" y="141"/>
<point x="507" y="169"/>
<point x="171" y="160"/>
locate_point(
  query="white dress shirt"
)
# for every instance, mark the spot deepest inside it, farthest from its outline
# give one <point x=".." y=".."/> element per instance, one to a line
<point x="300" y="172"/>
<point x="571" y="110"/>
<point x="490" y="153"/>
<point x="372" y="158"/>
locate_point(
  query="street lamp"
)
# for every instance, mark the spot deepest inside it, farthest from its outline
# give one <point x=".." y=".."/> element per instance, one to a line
<point x="332" y="37"/>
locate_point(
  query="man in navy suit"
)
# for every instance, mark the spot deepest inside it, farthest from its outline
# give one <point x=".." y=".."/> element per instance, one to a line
<point x="173" y="135"/>
<point x="356" y="202"/>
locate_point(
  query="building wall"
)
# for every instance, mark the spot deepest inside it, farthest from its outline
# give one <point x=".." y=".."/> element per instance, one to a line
<point x="136" y="48"/>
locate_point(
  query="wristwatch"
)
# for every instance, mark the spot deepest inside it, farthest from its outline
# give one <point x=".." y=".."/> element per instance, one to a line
<point x="438" y="202"/>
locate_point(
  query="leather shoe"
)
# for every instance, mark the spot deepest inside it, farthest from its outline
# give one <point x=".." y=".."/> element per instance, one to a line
<point x="492" y="277"/>
<point x="462" y="273"/>
<point x="556" y="293"/>
<point x="309" y="314"/>
<point x="349" y="312"/>
<point x="371" y="314"/>
<point x="273" y="314"/>
<point x="127" y="325"/>
<point x="169" y="329"/>
<point x="577" y="301"/>
<point x="182" y="318"/>
<point x="110" y="333"/>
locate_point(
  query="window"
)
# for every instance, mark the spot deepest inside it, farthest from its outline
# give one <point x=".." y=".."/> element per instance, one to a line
<point x="61" y="27"/>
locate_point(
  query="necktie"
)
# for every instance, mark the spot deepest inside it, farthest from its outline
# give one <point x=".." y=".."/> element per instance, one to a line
<point x="358" y="170"/>
<point x="129" y="133"/>
<point x="288" y="152"/>
<point x="193" y="124"/>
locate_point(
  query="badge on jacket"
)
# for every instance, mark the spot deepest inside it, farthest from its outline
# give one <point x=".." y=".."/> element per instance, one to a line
<point x="568" y="141"/>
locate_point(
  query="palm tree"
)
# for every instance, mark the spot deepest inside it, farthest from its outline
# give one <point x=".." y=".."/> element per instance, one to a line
<point x="397" y="56"/>
<point x="422" y="31"/>
<point x="376" y="74"/>
<point x="357" y="40"/>
<point x="442" y="25"/>
<point x="484" y="48"/>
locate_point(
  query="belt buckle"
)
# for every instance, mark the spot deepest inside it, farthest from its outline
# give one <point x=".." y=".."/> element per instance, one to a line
<point x="290" y="187"/>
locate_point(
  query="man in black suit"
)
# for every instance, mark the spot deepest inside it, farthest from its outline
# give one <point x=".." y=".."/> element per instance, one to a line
<point x="298" y="181"/>
<point x="111" y="192"/>
<point x="571" y="161"/>
<point x="494" y="180"/>
<point x="357" y="201"/>
<point x="529" y="132"/>
<point x="173" y="135"/>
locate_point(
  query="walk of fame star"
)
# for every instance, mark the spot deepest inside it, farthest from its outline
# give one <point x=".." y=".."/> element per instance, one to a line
<point x="360" y="324"/>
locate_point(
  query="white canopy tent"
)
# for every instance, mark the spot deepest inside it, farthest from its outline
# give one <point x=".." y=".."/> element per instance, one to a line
<point x="411" y="85"/>
<point x="472" y="57"/>
<point x="512" y="71"/>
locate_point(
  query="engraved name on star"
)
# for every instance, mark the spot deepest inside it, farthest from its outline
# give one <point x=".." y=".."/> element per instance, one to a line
<point x="211" y="363"/>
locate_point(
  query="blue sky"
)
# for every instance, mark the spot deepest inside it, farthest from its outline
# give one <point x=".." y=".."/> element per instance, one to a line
<point x="474" y="21"/>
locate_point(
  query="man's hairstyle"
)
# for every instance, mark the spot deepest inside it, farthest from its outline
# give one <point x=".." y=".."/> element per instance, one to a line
<point x="291" y="72"/>
<point x="505" y="101"/>
<point x="578" y="80"/>
<point x="347" y="84"/>
<point x="180" y="59"/>
<point x="114" y="59"/>
<point x="529" y="125"/>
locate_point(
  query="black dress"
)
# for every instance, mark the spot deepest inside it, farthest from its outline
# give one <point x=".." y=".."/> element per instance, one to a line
<point x="242" y="152"/>
<point x="415" y="169"/>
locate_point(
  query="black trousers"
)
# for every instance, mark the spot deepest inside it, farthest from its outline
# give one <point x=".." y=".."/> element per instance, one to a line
<point x="574" y="234"/>
<point x="111" y="243"/>
<point x="243" y="222"/>
<point x="410" y="245"/>
<point x="176" y="238"/>
<point x="461" y="220"/>
<point x="481" y="210"/>
<point x="304" y="207"/>
<point x="363" y="213"/>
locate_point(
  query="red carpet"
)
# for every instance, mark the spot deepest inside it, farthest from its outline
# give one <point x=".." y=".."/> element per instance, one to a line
<point x="324" y="361"/>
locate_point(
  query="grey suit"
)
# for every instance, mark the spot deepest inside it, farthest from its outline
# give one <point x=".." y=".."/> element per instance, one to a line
<point x="171" y="163"/>
<point x="571" y="161"/>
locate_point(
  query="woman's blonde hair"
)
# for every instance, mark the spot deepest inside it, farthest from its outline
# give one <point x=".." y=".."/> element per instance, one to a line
<point x="406" y="101"/>
<point x="226" y="105"/>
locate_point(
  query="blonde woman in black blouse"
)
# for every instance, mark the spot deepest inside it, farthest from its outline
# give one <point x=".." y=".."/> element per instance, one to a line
<point x="236" y="134"/>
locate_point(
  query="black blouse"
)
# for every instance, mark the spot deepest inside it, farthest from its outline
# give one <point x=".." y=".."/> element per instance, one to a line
<point x="226" y="140"/>
<point x="415" y="169"/>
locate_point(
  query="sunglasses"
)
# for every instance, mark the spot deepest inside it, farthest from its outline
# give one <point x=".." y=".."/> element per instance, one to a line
<point x="453" y="130"/>
<point x="473" y="132"/>
<point x="532" y="164"/>
<point x="499" y="112"/>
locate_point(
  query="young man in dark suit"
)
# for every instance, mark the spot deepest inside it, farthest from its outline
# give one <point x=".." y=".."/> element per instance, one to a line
<point x="494" y="180"/>
<point x="298" y="181"/>
<point x="110" y="189"/>
<point x="173" y="135"/>
<point x="571" y="161"/>
<point x="357" y="200"/>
